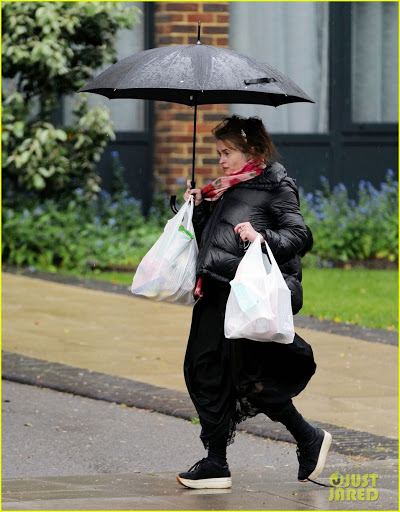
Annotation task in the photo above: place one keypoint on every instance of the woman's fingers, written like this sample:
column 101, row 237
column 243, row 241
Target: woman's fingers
column 242, row 226
column 193, row 192
column 246, row 231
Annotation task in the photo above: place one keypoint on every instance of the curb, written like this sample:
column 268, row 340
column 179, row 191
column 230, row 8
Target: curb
column 100, row 386
column 353, row 331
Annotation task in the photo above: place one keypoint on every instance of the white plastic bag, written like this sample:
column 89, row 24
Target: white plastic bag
column 259, row 304
column 168, row 271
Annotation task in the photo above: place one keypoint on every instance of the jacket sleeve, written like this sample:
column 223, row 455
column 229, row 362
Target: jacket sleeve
column 201, row 214
column 290, row 234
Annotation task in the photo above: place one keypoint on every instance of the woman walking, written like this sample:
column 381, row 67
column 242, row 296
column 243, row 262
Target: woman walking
column 231, row 380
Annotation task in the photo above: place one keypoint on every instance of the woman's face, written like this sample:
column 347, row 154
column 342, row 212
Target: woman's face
column 230, row 158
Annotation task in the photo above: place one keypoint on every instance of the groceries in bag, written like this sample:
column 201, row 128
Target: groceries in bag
column 259, row 304
column 168, row 271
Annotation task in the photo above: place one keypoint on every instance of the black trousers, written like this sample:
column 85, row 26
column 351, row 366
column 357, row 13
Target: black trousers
column 231, row 380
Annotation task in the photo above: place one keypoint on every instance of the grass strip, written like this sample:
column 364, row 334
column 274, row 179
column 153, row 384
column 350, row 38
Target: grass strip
column 355, row 296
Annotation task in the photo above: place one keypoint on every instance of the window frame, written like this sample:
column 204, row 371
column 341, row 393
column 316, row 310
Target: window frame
column 340, row 106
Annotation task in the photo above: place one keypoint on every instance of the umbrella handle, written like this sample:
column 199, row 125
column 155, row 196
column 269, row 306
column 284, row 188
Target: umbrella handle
column 172, row 200
column 172, row 203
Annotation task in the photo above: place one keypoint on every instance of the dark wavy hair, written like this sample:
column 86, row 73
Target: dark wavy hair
column 249, row 135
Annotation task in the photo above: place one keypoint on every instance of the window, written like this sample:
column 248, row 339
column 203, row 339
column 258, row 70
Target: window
column 293, row 37
column 374, row 62
column 127, row 115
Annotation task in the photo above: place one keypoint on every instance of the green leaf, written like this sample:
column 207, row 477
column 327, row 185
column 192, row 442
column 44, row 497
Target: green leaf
column 21, row 160
column 38, row 182
column 46, row 173
column 18, row 128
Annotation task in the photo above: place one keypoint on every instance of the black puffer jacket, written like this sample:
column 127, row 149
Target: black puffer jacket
column 270, row 202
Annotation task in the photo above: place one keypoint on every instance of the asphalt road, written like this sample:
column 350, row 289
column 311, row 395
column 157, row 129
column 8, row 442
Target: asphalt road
column 48, row 433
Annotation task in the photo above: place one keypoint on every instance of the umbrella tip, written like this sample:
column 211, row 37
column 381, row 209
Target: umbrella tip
column 198, row 33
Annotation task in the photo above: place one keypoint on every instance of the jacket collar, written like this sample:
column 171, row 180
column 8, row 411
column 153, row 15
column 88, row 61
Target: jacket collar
column 269, row 179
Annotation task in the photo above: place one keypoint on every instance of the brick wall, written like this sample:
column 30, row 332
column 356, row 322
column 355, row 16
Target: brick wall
column 176, row 23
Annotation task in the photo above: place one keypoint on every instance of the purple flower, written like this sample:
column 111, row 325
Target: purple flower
column 105, row 194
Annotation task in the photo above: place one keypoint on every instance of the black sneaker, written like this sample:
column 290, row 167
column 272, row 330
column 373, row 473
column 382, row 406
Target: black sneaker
column 312, row 456
column 206, row 474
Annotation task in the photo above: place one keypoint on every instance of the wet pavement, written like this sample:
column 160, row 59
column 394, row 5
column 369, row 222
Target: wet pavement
column 66, row 452
column 97, row 341
column 256, row 489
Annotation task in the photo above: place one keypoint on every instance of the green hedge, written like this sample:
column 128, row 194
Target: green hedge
column 81, row 236
column 346, row 229
column 112, row 231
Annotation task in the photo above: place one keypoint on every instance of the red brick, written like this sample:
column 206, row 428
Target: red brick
column 183, row 28
column 179, row 138
column 183, row 116
column 200, row 150
column 170, row 40
column 214, row 30
column 223, row 41
column 163, row 17
column 210, row 161
column 213, row 117
column 203, row 128
column 209, row 139
column 165, row 150
column 203, row 171
column 223, row 18
column 204, row 18
column 181, row 6
column 164, row 105
column 217, row 7
column 181, row 161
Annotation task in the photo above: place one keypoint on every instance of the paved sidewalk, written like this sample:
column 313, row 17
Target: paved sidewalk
column 261, row 489
column 355, row 386
column 117, row 348
column 66, row 452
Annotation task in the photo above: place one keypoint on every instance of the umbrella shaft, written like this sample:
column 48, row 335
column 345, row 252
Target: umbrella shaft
column 193, row 184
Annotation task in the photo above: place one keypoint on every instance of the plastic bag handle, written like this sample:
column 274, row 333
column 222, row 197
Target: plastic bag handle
column 190, row 203
column 269, row 254
column 179, row 217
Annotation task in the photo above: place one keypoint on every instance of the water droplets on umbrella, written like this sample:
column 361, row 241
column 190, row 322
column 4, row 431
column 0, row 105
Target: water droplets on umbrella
column 210, row 75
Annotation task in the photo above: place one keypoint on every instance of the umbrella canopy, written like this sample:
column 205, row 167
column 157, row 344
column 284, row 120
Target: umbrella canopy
column 196, row 75
column 193, row 75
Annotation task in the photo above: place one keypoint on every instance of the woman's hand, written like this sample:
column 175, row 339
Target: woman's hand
column 193, row 191
column 246, row 232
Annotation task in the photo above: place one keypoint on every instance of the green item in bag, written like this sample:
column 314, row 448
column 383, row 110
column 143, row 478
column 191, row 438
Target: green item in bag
column 188, row 233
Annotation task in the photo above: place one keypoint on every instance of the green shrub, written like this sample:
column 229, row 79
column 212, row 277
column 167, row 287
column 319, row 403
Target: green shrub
column 50, row 50
column 81, row 236
column 353, row 229
column 112, row 232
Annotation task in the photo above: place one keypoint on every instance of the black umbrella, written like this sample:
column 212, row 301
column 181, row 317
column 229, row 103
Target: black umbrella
column 195, row 75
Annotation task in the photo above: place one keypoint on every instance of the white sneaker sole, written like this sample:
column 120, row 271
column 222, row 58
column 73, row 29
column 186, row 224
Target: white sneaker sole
column 326, row 444
column 206, row 483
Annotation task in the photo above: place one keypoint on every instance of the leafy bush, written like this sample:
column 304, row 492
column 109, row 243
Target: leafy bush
column 51, row 49
column 112, row 232
column 347, row 229
column 48, row 161
column 81, row 236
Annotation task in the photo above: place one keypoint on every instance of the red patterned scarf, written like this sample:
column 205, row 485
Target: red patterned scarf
column 250, row 170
